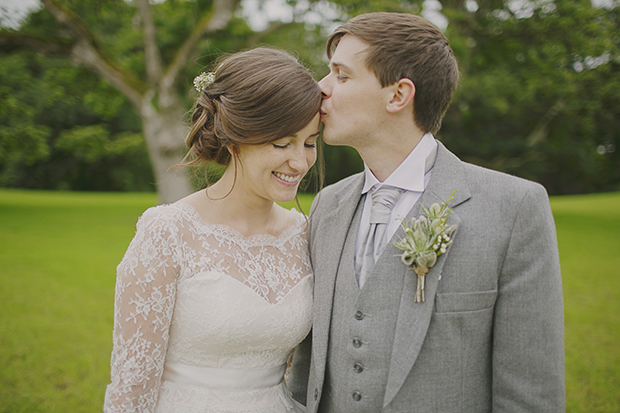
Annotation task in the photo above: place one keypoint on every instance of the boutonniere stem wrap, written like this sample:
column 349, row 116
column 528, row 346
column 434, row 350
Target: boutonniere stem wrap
column 426, row 238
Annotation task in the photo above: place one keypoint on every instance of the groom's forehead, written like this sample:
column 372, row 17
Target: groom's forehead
column 351, row 46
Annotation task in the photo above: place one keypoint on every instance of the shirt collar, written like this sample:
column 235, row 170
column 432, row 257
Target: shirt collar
column 410, row 173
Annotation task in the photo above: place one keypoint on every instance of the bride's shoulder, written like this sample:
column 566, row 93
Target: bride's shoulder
column 293, row 216
column 183, row 208
column 161, row 211
column 164, row 216
column 296, row 220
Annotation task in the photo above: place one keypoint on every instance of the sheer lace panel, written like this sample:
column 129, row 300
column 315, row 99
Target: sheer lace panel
column 271, row 266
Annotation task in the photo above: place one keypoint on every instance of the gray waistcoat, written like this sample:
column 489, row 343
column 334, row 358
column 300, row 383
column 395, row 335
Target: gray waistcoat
column 361, row 336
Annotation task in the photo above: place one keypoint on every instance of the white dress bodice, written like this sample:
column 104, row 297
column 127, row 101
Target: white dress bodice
column 206, row 318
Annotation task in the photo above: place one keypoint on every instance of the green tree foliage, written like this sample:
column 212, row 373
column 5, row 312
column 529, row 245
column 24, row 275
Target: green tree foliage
column 22, row 140
column 63, row 128
column 142, row 50
column 539, row 95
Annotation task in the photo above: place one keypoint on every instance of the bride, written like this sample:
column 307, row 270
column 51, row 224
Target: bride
column 215, row 290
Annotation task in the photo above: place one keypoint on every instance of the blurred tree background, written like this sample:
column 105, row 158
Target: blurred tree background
column 94, row 94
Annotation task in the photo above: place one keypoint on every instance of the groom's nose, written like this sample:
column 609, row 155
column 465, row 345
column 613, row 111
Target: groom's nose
column 324, row 85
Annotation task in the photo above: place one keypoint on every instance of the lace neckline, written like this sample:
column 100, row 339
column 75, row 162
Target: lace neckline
column 193, row 215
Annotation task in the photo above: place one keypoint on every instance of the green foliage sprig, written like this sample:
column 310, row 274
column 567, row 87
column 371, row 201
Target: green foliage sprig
column 426, row 239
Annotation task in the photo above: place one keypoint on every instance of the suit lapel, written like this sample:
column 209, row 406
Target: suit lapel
column 414, row 318
column 337, row 222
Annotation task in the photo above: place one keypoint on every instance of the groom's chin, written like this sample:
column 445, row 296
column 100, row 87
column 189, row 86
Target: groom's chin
column 329, row 138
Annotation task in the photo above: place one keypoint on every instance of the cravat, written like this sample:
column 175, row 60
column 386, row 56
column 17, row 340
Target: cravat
column 373, row 244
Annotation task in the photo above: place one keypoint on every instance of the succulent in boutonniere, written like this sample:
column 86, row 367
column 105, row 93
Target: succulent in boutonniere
column 426, row 238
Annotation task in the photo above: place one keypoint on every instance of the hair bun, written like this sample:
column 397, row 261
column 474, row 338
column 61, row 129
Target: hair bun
column 202, row 138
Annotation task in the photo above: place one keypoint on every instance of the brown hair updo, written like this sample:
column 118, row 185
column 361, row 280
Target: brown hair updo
column 258, row 96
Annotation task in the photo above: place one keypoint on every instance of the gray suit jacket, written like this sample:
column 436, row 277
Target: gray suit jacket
column 490, row 336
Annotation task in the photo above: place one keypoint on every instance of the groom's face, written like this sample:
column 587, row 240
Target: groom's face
column 353, row 99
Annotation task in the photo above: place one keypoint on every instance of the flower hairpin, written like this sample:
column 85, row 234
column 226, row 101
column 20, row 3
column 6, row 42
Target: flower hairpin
column 426, row 239
column 204, row 80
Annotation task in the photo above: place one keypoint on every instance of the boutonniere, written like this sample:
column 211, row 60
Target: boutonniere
column 426, row 238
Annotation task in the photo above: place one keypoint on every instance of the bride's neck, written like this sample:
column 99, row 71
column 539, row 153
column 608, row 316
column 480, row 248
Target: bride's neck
column 230, row 204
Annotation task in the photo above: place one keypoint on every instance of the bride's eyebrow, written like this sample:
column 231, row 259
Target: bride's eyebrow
column 309, row 136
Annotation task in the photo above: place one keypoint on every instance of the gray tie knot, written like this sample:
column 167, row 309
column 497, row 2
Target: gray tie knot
column 383, row 200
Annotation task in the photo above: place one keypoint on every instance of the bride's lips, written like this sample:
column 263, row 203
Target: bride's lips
column 287, row 179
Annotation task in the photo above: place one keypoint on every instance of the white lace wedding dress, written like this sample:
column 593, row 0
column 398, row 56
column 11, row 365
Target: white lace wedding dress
column 206, row 318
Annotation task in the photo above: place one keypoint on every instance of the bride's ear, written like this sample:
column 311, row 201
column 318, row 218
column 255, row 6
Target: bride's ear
column 403, row 93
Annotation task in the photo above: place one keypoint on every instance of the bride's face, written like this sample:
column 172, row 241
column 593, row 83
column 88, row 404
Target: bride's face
column 273, row 171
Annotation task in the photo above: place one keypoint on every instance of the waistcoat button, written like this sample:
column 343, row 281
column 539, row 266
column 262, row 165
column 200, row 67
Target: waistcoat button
column 359, row 315
column 357, row 343
column 358, row 368
column 316, row 393
column 357, row 396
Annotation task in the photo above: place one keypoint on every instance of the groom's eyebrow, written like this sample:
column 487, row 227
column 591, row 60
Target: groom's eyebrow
column 337, row 65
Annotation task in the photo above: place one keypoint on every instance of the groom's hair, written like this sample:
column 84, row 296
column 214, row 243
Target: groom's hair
column 407, row 46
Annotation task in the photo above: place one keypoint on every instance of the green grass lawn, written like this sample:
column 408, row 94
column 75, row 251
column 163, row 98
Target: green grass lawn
column 589, row 239
column 59, row 250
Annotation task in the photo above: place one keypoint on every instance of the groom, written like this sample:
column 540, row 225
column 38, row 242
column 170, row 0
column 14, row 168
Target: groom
column 489, row 335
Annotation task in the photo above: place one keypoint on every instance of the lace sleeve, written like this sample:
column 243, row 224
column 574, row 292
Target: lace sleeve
column 144, row 302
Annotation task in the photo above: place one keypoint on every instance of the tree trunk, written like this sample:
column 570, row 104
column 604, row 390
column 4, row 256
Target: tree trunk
column 164, row 133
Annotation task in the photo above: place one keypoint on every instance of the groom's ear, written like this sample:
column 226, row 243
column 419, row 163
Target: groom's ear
column 403, row 92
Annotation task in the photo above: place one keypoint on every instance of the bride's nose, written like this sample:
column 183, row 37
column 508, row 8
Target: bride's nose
column 299, row 160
